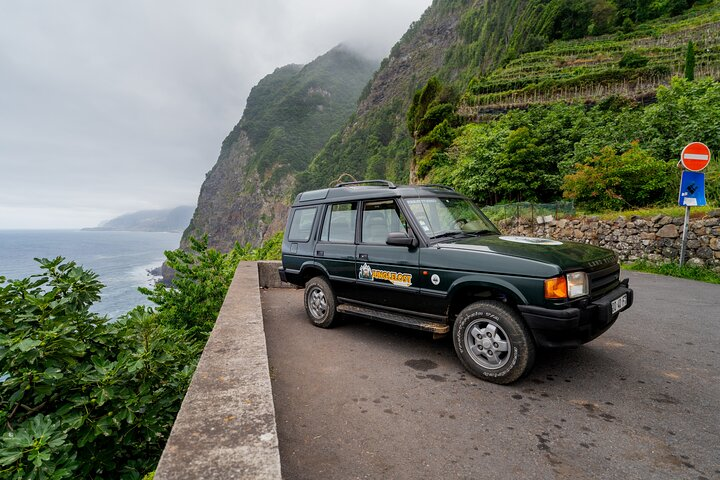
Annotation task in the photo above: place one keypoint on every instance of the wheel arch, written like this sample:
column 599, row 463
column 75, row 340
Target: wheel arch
column 467, row 291
column 311, row 269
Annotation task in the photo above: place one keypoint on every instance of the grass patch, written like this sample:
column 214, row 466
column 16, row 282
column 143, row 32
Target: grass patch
column 691, row 272
column 675, row 211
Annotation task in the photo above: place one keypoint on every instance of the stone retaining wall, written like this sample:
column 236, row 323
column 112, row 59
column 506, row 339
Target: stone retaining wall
column 656, row 239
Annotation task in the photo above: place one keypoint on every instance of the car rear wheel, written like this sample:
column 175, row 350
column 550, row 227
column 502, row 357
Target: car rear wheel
column 492, row 342
column 320, row 302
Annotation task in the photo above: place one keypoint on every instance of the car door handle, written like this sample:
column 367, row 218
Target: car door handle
column 320, row 253
column 363, row 256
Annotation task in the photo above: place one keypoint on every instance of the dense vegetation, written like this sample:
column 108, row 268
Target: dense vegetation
column 536, row 100
column 613, row 155
column 85, row 397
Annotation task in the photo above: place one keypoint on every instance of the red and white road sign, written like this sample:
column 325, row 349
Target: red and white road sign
column 695, row 156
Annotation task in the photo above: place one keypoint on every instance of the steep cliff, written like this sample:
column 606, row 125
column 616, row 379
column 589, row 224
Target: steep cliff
column 288, row 117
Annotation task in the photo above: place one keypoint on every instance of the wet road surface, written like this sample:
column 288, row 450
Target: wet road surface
column 370, row 400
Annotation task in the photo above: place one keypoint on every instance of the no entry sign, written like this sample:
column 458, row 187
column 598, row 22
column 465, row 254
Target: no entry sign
column 695, row 156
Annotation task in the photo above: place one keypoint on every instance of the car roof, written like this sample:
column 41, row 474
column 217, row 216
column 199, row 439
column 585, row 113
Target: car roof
column 373, row 189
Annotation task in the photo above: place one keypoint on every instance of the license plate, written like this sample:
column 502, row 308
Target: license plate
column 618, row 304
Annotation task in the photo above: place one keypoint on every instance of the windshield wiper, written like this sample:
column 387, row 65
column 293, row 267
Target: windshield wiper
column 449, row 233
column 478, row 233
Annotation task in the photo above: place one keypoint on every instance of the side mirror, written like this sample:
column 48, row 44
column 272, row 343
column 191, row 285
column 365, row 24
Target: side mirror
column 400, row 239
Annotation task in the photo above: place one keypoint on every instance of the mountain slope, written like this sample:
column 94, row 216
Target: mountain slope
column 488, row 56
column 288, row 117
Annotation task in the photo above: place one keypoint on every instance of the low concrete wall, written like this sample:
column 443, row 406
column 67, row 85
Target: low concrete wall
column 269, row 276
column 226, row 425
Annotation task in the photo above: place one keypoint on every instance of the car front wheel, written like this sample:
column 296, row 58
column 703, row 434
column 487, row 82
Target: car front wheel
column 492, row 342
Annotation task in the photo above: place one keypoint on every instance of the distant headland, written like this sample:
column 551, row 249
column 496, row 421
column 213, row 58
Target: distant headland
column 169, row 220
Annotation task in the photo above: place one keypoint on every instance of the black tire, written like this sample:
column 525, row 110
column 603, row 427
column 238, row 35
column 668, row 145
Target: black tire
column 492, row 342
column 320, row 302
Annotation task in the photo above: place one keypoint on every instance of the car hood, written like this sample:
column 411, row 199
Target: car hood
column 566, row 255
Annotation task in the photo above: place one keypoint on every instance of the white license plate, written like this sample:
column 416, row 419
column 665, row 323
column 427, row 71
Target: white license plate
column 618, row 304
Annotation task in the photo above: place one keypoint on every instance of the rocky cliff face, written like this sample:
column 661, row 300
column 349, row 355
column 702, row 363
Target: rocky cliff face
column 289, row 116
column 375, row 143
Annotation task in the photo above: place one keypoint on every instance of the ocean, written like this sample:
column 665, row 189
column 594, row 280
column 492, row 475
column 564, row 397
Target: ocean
column 121, row 259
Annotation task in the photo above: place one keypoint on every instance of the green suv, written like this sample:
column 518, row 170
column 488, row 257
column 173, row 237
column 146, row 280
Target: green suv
column 427, row 258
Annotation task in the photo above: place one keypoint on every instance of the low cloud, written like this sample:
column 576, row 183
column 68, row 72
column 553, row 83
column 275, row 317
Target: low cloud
column 109, row 107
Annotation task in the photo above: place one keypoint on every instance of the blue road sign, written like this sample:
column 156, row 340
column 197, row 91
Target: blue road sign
column 692, row 189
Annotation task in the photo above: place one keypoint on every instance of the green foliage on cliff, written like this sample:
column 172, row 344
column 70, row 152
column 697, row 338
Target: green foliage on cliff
column 514, row 54
column 83, row 397
column 292, row 112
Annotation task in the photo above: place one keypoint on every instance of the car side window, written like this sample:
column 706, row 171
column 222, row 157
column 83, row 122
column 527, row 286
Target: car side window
column 379, row 219
column 301, row 225
column 339, row 224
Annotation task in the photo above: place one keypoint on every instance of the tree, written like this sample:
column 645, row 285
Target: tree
column 690, row 61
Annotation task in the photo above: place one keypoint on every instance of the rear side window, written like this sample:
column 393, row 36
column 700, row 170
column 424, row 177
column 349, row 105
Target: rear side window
column 339, row 225
column 301, row 225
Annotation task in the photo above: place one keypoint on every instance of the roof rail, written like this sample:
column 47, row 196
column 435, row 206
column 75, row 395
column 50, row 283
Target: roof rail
column 384, row 183
column 437, row 185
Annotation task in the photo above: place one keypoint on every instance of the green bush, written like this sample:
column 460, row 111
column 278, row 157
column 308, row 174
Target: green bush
column 617, row 182
column 83, row 397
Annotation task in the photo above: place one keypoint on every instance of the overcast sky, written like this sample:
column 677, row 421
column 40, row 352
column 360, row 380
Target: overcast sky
column 107, row 107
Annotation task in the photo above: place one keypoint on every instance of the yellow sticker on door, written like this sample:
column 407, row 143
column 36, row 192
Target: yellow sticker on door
column 396, row 278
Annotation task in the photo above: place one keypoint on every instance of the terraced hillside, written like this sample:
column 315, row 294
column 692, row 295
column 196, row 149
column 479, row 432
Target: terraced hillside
column 593, row 68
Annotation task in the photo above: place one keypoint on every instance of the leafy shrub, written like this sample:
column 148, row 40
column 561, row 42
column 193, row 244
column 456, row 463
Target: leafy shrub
column 617, row 182
column 202, row 277
column 83, row 397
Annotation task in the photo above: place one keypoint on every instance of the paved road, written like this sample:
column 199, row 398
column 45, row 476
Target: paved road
column 369, row 400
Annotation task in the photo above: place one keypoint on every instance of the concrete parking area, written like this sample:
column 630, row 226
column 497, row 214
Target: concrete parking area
column 370, row 400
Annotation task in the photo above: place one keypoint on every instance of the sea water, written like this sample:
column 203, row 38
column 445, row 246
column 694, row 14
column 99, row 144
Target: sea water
column 121, row 259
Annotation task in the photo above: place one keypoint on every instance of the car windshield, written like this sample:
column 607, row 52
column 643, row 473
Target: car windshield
column 448, row 217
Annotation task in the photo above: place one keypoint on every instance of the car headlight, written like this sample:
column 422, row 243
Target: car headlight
column 577, row 283
column 572, row 285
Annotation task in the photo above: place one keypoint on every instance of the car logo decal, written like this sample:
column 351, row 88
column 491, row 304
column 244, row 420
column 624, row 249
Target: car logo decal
column 435, row 279
column 366, row 272
column 400, row 279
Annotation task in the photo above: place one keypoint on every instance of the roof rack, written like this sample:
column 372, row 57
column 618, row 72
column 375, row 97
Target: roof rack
column 384, row 183
column 437, row 185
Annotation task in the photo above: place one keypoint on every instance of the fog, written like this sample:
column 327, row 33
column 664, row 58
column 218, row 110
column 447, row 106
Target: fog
column 111, row 107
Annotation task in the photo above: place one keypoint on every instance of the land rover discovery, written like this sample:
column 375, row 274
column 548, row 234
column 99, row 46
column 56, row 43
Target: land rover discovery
column 426, row 257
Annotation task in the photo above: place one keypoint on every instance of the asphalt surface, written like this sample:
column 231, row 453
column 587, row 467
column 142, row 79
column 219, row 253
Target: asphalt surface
column 370, row 400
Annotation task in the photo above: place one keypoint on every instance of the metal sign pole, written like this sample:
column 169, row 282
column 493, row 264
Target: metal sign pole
column 684, row 236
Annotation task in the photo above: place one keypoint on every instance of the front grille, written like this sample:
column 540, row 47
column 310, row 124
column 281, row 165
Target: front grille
column 602, row 281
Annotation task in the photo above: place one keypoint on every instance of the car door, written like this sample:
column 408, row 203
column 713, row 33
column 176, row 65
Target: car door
column 387, row 275
column 336, row 248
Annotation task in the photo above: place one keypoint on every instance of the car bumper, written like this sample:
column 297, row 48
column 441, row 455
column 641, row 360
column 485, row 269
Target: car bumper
column 571, row 327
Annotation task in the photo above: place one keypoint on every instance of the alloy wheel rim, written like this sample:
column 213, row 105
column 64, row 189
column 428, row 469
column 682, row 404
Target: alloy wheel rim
column 488, row 344
column 317, row 303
